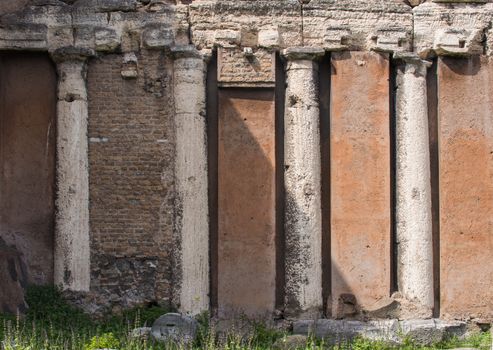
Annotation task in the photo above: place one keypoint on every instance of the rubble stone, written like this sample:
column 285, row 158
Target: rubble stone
column 174, row 328
column 423, row 332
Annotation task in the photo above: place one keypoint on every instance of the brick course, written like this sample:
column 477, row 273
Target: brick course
column 131, row 159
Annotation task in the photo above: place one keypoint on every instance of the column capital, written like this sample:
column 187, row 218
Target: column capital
column 303, row 53
column 414, row 63
column 190, row 51
column 72, row 53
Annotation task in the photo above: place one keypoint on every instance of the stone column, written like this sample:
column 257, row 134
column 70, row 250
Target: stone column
column 302, row 178
column 413, row 189
column 191, row 275
column 72, row 253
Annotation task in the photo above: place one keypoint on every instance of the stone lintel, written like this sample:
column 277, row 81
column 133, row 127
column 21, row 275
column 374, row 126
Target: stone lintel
column 303, row 53
column 23, row 36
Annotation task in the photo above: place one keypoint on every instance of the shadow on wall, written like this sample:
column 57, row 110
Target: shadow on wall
column 246, row 202
column 247, row 245
column 14, row 277
column 465, row 67
column 27, row 159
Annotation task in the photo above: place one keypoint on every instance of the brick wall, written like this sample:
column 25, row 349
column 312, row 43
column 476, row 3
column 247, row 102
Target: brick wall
column 131, row 157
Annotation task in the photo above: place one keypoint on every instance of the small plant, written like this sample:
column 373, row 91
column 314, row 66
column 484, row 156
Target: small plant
column 103, row 341
column 265, row 335
column 478, row 340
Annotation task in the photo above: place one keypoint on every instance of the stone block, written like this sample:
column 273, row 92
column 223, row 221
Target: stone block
column 237, row 67
column 449, row 29
column 360, row 182
column 466, row 187
column 458, row 42
column 422, row 332
column 157, row 36
column 59, row 37
column 337, row 38
column 174, row 328
column 130, row 66
column 106, row 39
column 337, row 331
column 246, row 203
column 130, row 40
column 84, row 36
column 227, row 37
column 269, row 38
column 108, row 5
column 425, row 332
column 391, row 40
column 23, row 36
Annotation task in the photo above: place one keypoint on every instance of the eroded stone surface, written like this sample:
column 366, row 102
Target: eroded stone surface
column 174, row 328
column 466, row 187
column 443, row 27
column 191, row 275
column 360, row 182
column 423, row 332
column 455, row 30
column 302, row 171
column 330, row 24
column 241, row 68
column 413, row 214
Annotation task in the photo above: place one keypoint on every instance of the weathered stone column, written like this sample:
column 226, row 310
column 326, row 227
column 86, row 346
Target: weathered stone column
column 72, row 253
column 302, row 177
column 191, row 290
column 413, row 188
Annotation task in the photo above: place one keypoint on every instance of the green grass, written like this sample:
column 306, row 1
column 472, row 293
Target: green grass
column 52, row 324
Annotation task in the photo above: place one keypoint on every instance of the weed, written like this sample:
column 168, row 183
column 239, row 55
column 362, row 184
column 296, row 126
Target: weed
column 52, row 324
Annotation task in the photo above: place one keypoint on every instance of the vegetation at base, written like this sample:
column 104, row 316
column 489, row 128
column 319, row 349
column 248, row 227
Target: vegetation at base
column 52, row 324
column 103, row 341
